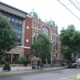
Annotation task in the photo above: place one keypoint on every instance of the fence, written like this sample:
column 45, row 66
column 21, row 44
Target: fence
column 55, row 63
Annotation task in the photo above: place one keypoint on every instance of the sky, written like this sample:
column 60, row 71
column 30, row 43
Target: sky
column 47, row 9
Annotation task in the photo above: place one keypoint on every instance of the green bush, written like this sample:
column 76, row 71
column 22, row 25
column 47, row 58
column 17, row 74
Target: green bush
column 7, row 67
column 22, row 60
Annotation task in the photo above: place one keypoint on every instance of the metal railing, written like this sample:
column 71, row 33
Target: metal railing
column 54, row 63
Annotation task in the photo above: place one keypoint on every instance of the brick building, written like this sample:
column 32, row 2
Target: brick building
column 49, row 28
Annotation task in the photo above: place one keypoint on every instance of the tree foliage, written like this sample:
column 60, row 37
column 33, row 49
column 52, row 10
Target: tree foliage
column 66, row 52
column 8, row 36
column 70, row 41
column 42, row 47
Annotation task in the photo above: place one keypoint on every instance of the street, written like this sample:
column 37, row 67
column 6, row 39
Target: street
column 50, row 75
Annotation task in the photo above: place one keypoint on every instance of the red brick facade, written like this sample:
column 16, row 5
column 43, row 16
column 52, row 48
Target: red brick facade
column 28, row 36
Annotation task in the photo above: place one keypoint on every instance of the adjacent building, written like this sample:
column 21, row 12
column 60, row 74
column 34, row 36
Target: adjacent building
column 17, row 19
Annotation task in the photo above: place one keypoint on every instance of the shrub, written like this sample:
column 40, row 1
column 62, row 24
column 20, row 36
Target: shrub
column 22, row 60
column 7, row 67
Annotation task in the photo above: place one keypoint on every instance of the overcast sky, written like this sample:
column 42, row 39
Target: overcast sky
column 47, row 9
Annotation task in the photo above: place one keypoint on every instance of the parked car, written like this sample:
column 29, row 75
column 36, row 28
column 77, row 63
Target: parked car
column 63, row 63
column 74, row 64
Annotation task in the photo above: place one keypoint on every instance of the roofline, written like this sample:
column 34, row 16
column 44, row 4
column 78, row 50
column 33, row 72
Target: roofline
column 13, row 8
column 11, row 13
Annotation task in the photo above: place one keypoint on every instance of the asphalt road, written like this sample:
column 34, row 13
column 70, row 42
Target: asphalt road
column 50, row 75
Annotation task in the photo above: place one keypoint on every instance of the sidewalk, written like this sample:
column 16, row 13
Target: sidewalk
column 28, row 69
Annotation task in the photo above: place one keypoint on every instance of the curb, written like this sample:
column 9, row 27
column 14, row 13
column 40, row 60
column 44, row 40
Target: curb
column 29, row 72
column 45, row 70
column 12, row 73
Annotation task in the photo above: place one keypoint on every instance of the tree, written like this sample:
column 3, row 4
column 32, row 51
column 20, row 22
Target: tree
column 70, row 41
column 66, row 52
column 42, row 47
column 8, row 36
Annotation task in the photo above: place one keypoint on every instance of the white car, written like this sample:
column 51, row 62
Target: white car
column 74, row 64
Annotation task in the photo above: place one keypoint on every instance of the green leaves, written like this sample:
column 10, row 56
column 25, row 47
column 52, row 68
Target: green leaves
column 8, row 36
column 70, row 40
column 42, row 47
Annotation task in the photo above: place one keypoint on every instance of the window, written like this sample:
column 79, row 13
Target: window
column 34, row 34
column 53, row 31
column 15, row 30
column 13, row 21
column 38, row 26
column 9, row 19
column 19, row 31
column 33, row 24
column 8, row 58
column 56, row 46
column 15, row 57
column 19, row 38
column 17, row 23
column 20, row 24
column 45, row 31
column 53, row 39
column 56, row 55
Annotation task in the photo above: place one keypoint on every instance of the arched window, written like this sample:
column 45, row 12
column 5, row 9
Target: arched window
column 45, row 31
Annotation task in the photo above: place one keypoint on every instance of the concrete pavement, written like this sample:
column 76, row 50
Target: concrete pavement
column 28, row 69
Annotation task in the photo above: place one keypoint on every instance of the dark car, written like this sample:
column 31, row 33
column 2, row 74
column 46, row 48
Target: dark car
column 74, row 64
